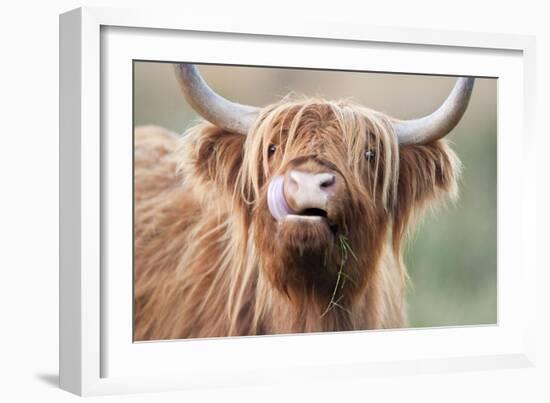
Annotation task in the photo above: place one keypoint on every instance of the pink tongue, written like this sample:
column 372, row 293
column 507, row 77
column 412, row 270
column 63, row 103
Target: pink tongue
column 276, row 201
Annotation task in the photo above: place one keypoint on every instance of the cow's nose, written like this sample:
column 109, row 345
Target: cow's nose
column 305, row 190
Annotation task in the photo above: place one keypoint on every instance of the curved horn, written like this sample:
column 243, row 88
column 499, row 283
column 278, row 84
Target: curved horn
column 230, row 116
column 439, row 123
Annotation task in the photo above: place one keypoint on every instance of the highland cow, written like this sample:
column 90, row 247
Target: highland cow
column 285, row 219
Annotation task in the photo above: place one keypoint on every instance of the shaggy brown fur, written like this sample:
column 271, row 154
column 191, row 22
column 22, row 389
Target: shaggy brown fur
column 210, row 260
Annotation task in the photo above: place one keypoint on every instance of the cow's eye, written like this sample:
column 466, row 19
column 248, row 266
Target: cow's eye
column 271, row 149
column 370, row 154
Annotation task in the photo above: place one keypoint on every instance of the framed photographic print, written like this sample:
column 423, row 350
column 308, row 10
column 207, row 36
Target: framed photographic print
column 239, row 204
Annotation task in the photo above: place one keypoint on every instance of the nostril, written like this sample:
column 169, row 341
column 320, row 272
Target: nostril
column 293, row 183
column 328, row 181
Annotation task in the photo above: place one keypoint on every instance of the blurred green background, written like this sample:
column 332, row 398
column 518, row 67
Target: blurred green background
column 452, row 256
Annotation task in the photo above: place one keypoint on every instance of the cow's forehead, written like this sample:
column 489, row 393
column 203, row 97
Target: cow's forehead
column 306, row 136
column 316, row 113
column 342, row 126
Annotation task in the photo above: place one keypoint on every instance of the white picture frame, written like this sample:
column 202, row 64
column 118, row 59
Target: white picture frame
column 97, row 357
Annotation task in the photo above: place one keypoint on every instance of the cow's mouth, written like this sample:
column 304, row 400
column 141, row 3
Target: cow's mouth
column 313, row 215
column 308, row 214
column 312, row 212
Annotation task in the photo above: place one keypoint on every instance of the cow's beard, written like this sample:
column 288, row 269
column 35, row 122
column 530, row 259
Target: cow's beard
column 302, row 258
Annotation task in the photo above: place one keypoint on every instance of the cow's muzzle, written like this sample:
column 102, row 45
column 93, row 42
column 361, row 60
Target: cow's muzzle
column 301, row 195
